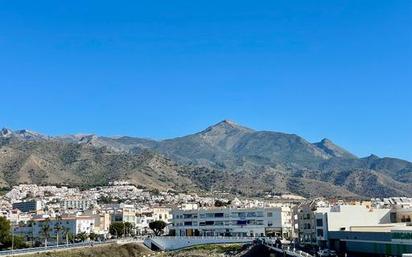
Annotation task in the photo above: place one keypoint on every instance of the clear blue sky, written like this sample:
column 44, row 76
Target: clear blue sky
column 160, row 69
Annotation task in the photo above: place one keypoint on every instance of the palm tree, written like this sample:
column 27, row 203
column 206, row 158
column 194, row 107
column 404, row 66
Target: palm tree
column 31, row 224
column 45, row 229
column 66, row 232
column 58, row 227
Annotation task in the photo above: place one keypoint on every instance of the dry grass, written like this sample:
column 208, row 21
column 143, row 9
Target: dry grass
column 207, row 251
column 127, row 250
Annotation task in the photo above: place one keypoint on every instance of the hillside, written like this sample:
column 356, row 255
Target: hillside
column 126, row 250
column 57, row 162
column 225, row 156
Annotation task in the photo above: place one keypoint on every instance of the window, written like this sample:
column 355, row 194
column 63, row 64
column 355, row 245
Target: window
column 270, row 214
column 219, row 215
column 392, row 217
column 251, row 214
column 209, row 223
column 251, row 222
column 319, row 232
column 188, row 223
column 406, row 218
column 210, row 215
column 319, row 222
column 218, row 223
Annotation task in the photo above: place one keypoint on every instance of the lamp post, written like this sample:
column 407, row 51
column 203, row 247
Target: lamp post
column 12, row 239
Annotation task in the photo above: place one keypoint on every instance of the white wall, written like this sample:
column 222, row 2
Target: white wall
column 174, row 243
column 345, row 216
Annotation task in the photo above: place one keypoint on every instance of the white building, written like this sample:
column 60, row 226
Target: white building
column 316, row 223
column 77, row 204
column 35, row 229
column 227, row 222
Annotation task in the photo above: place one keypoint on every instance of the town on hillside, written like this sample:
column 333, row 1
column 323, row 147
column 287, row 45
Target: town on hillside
column 48, row 216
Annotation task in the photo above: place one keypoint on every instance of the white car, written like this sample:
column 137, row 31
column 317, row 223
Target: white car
column 326, row 253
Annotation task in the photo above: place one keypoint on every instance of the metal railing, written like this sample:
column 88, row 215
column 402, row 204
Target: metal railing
column 57, row 247
column 272, row 244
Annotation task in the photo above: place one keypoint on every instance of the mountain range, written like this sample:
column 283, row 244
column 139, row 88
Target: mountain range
column 226, row 156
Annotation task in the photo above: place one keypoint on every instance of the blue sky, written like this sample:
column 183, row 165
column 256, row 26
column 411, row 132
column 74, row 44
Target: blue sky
column 160, row 69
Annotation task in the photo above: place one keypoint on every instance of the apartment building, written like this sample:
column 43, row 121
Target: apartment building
column 74, row 224
column 28, row 206
column 77, row 204
column 227, row 222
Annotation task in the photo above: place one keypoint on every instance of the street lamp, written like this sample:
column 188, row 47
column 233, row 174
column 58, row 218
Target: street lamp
column 12, row 238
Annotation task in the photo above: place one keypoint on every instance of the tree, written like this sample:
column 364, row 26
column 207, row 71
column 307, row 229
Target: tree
column 157, row 226
column 220, row 203
column 45, row 230
column 116, row 228
column 30, row 224
column 66, row 233
column 128, row 228
column 93, row 236
column 4, row 229
column 7, row 239
column 121, row 229
column 58, row 227
column 82, row 236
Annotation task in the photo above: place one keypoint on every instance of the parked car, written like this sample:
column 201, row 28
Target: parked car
column 326, row 253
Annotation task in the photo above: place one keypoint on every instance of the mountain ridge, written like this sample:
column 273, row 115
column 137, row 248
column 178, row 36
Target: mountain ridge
column 225, row 155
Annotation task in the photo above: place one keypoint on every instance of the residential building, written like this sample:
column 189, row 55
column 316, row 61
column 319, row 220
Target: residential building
column 102, row 223
column 28, row 206
column 77, row 204
column 227, row 222
column 35, row 228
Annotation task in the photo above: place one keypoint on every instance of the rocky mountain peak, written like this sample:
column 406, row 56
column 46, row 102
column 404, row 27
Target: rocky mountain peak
column 372, row 157
column 5, row 132
column 326, row 141
column 226, row 126
column 22, row 134
column 334, row 150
